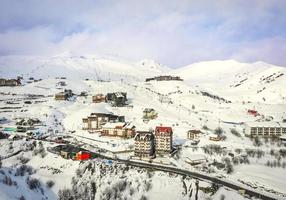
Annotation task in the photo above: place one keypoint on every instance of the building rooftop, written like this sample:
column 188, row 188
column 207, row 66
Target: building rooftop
column 144, row 135
column 164, row 129
column 118, row 125
column 265, row 124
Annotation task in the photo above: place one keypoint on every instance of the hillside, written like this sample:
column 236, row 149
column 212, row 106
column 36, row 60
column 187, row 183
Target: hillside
column 78, row 67
column 258, row 82
column 199, row 102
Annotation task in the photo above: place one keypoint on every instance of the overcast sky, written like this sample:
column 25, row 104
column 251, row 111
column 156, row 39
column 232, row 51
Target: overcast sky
column 175, row 33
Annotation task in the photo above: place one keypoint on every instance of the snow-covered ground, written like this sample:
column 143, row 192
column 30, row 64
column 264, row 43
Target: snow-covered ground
column 211, row 95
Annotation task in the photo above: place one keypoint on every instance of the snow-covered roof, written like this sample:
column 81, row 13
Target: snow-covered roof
column 113, row 125
column 193, row 157
column 118, row 124
column 283, row 137
column 265, row 124
column 213, row 135
column 143, row 135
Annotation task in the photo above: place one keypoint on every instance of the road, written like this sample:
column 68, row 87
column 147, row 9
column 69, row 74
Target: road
column 248, row 191
column 204, row 177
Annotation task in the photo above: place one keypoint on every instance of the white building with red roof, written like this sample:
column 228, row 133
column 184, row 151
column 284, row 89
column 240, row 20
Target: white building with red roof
column 163, row 139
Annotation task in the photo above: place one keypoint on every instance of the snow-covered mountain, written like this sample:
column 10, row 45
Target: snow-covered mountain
column 257, row 81
column 78, row 67
column 210, row 96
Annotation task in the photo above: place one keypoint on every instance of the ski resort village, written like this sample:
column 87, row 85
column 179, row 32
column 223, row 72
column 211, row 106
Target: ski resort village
column 86, row 127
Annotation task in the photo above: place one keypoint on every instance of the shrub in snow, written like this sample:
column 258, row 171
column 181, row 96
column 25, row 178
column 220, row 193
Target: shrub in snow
column 0, row 162
column 228, row 165
column 107, row 194
column 235, row 160
column 23, row 160
column 229, row 168
column 143, row 197
column 7, row 180
column 34, row 143
column 205, row 127
column 23, row 169
column 148, row 186
column 33, row 183
column 11, row 146
column 150, row 174
column 282, row 152
column 238, row 151
column 121, row 185
column 218, row 131
column 78, row 172
column 257, row 142
column 65, row 194
column 50, row 183
column 235, row 132
column 22, row 198
column 131, row 191
column 43, row 153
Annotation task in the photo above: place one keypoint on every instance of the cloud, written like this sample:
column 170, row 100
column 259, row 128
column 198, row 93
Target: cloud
column 174, row 33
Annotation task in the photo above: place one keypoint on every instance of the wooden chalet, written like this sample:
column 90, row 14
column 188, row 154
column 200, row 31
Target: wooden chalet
column 98, row 98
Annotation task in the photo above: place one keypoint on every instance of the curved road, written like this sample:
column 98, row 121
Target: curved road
column 248, row 191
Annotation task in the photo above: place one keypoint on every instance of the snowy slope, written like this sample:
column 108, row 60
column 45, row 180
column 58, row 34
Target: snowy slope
column 78, row 67
column 241, row 81
column 190, row 109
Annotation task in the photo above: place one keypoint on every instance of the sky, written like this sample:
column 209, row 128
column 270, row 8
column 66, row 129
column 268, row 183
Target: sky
column 172, row 32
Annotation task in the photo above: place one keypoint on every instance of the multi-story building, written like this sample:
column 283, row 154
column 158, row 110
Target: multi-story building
column 164, row 78
column 144, row 144
column 119, row 129
column 265, row 129
column 163, row 140
column 10, row 82
column 95, row 121
column 117, row 99
column 194, row 134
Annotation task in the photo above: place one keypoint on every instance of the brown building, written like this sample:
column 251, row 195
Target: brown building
column 119, row 129
column 194, row 134
column 10, row 82
column 163, row 140
column 117, row 99
column 164, row 78
column 215, row 137
column 64, row 95
column 98, row 98
column 96, row 120
column 144, row 144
